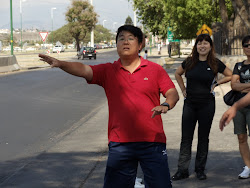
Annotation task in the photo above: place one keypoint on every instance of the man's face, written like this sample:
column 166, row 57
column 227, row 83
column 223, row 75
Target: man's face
column 246, row 48
column 127, row 44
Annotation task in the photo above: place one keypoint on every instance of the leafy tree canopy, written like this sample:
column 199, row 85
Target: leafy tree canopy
column 62, row 34
column 184, row 17
column 129, row 21
column 81, row 18
column 101, row 34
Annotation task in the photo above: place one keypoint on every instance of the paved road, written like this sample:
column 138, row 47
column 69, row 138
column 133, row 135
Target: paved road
column 38, row 108
column 78, row 159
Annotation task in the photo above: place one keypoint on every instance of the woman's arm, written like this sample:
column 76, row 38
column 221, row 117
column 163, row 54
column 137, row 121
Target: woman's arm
column 178, row 76
column 227, row 76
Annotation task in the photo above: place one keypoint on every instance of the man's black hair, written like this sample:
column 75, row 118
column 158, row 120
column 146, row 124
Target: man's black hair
column 246, row 39
column 136, row 31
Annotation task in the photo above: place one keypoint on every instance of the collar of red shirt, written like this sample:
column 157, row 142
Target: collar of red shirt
column 144, row 63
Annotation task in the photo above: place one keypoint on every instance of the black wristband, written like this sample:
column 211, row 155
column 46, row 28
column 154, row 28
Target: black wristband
column 216, row 83
column 166, row 104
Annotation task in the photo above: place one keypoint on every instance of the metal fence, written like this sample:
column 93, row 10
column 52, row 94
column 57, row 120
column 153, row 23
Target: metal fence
column 232, row 43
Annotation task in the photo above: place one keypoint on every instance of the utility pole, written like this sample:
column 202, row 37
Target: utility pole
column 52, row 19
column 135, row 24
column 92, row 32
column 103, row 22
column 21, row 17
column 11, row 28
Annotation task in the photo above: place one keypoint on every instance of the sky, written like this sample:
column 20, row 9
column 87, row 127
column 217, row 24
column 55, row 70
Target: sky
column 37, row 13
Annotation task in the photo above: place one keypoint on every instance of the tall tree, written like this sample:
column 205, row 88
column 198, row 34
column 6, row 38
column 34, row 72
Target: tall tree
column 101, row 34
column 242, row 11
column 62, row 34
column 239, row 19
column 185, row 17
column 81, row 18
column 129, row 21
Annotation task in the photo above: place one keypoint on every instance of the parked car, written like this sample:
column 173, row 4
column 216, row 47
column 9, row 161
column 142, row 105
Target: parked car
column 30, row 49
column 87, row 52
column 17, row 49
column 7, row 49
column 58, row 48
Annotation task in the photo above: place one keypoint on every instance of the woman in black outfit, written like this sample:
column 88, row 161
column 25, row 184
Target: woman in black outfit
column 201, row 69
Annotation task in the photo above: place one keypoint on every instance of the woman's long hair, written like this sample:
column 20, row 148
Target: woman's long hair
column 193, row 59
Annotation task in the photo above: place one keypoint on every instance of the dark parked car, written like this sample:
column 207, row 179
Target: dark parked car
column 87, row 52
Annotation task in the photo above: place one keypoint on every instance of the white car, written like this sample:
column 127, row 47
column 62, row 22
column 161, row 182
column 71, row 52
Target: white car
column 58, row 49
column 7, row 49
column 30, row 49
column 17, row 49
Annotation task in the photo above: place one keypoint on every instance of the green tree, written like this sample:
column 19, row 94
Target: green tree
column 100, row 34
column 129, row 21
column 62, row 34
column 242, row 11
column 239, row 17
column 81, row 18
column 185, row 17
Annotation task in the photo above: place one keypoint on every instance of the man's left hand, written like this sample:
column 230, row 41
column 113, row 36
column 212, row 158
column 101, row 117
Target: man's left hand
column 158, row 110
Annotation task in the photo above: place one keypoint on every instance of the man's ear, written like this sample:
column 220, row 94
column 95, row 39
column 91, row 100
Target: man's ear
column 140, row 47
column 143, row 41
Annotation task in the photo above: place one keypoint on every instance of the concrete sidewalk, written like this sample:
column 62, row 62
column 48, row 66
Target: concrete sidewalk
column 75, row 162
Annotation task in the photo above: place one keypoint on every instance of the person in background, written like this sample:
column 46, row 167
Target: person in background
column 169, row 49
column 145, row 54
column 159, row 48
column 241, row 82
column 201, row 69
column 135, row 130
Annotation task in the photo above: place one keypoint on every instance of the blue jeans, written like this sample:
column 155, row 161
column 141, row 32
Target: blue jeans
column 123, row 161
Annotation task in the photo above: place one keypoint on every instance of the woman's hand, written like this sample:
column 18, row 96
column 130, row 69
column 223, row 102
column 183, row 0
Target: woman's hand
column 184, row 93
column 213, row 86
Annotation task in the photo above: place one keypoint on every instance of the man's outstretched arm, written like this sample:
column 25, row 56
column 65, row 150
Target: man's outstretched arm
column 74, row 68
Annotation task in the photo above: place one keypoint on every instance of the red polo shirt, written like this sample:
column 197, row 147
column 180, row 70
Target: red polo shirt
column 131, row 97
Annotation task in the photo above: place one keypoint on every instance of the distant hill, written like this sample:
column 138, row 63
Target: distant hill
column 26, row 36
column 32, row 25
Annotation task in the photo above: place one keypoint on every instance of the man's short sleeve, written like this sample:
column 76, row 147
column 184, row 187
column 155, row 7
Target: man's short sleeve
column 99, row 72
column 164, row 81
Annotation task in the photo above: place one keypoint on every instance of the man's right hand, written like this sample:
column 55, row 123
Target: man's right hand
column 50, row 60
column 227, row 117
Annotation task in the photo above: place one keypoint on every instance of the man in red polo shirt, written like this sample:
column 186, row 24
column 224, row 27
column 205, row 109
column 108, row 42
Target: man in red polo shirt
column 135, row 131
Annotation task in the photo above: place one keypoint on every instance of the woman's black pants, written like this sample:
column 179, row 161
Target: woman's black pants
column 193, row 112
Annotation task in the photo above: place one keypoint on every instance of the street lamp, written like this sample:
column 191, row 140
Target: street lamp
column 114, row 23
column 21, row 12
column 52, row 17
column 103, row 22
